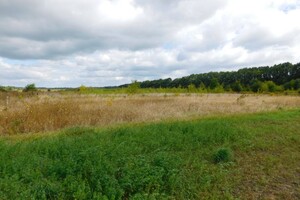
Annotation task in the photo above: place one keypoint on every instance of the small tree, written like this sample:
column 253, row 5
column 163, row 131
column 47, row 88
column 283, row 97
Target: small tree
column 30, row 88
column 133, row 87
column 264, row 87
column 82, row 89
column 271, row 86
column 202, row 87
column 192, row 88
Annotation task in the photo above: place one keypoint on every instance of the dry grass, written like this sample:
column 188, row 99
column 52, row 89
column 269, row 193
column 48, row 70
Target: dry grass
column 47, row 112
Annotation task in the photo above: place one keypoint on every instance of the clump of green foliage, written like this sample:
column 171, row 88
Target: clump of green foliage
column 2, row 89
column 223, row 155
column 133, row 88
column 83, row 89
column 30, row 88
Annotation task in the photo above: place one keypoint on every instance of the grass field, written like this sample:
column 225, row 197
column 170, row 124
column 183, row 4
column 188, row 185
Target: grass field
column 54, row 111
column 245, row 156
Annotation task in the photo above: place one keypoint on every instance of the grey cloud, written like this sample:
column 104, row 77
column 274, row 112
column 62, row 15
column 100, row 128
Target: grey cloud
column 76, row 42
column 181, row 10
column 255, row 38
column 46, row 29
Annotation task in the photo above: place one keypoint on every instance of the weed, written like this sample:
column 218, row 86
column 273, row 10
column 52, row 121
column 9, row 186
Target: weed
column 52, row 112
column 223, row 155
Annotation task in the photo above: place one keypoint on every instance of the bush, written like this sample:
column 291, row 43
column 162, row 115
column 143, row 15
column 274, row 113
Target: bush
column 133, row 87
column 271, row 86
column 2, row 89
column 30, row 88
column 192, row 88
column 222, row 155
column 82, row 89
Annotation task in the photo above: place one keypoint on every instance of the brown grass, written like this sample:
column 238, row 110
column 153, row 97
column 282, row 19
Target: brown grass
column 48, row 112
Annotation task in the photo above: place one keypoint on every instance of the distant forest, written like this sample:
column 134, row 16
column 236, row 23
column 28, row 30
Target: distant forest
column 285, row 76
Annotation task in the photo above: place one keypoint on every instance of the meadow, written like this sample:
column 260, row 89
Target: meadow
column 149, row 146
column 30, row 113
column 252, row 156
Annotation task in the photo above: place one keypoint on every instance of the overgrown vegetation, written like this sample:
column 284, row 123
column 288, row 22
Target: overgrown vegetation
column 25, row 113
column 175, row 160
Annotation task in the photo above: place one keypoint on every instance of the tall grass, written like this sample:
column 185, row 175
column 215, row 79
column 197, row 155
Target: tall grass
column 50, row 112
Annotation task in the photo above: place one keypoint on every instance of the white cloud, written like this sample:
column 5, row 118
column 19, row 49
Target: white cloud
column 111, row 42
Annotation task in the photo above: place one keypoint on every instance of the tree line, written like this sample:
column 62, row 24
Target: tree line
column 285, row 76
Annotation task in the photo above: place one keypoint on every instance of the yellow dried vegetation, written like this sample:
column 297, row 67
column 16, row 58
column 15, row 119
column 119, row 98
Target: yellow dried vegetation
column 48, row 112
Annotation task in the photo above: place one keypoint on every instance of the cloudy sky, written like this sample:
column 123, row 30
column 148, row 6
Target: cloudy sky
column 66, row 43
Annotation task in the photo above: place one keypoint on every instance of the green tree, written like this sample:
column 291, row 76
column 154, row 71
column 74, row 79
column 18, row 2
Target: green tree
column 271, row 86
column 258, row 86
column 192, row 88
column 82, row 89
column 297, row 84
column 219, row 89
column 237, row 86
column 263, row 87
column 202, row 87
column 214, row 83
column 30, row 88
column 133, row 87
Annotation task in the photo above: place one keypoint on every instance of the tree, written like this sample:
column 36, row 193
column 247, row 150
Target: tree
column 245, row 79
column 30, row 88
column 214, row 83
column 263, row 87
column 297, row 84
column 82, row 89
column 237, row 87
column 192, row 88
column 202, row 87
column 256, row 86
column 133, row 87
column 271, row 86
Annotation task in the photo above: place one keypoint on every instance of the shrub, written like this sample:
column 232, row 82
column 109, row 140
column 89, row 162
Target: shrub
column 271, row 86
column 82, row 89
column 133, row 87
column 192, row 88
column 2, row 89
column 30, row 88
column 222, row 155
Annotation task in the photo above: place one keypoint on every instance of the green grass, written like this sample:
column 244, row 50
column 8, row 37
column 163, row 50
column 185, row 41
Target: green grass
column 104, row 91
column 116, row 91
column 259, row 158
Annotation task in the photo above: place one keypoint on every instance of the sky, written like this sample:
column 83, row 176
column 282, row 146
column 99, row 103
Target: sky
column 68, row 43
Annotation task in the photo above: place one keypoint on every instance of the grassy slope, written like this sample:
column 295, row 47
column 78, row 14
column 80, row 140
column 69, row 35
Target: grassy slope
column 168, row 160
